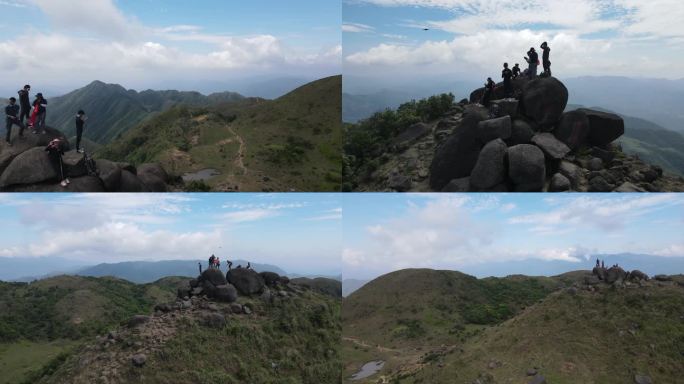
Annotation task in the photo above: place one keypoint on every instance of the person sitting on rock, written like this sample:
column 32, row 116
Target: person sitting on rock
column 516, row 70
column 545, row 59
column 507, row 74
column 55, row 150
column 11, row 113
column 533, row 61
column 488, row 92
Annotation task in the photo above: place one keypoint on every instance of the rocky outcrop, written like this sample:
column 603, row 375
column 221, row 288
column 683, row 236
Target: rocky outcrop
column 247, row 281
column 547, row 149
column 26, row 167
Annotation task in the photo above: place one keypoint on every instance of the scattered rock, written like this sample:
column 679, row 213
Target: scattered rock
column 213, row 320
column 226, row 293
column 628, row 187
column 559, row 183
column 490, row 168
column 411, row 134
column 599, row 184
column 531, row 372
column 595, row 164
column 137, row 320
column 399, row 183
column 642, row 379
column 552, row 147
column 526, row 167
column 139, row 360
column 571, row 171
column 539, row 379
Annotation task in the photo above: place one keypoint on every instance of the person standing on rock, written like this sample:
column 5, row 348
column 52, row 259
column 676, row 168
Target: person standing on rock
column 41, row 104
column 545, row 59
column 11, row 112
column 516, row 70
column 533, row 61
column 25, row 103
column 55, row 150
column 80, row 123
column 488, row 92
column 211, row 261
column 507, row 74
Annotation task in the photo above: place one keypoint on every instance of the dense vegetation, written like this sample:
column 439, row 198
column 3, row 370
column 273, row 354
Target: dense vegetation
column 370, row 138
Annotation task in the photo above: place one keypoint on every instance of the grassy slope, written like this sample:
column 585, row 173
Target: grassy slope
column 39, row 321
column 579, row 339
column 188, row 139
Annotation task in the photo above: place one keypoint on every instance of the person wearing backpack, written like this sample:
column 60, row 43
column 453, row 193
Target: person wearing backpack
column 80, row 123
column 516, row 70
column 533, row 61
column 55, row 150
column 25, row 103
column 11, row 112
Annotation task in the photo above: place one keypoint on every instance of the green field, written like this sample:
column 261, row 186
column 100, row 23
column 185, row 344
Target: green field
column 18, row 360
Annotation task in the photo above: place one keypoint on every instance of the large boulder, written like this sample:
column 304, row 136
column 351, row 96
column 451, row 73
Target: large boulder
column 614, row 274
column 573, row 129
column 543, row 100
column 247, row 281
column 518, row 84
column 637, row 275
column 458, row 185
column 571, row 171
column 270, row 278
column 110, row 173
column 153, row 176
column 131, row 183
column 78, row 184
column 490, row 169
column 457, row 156
column 411, row 134
column 553, row 148
column 74, row 164
column 214, row 276
column 599, row 272
column 226, row 293
column 505, row 107
column 604, row 127
column 521, row 133
column 30, row 167
column 526, row 167
column 499, row 128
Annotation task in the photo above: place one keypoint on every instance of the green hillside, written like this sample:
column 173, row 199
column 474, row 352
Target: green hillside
column 42, row 320
column 291, row 143
column 113, row 110
column 446, row 327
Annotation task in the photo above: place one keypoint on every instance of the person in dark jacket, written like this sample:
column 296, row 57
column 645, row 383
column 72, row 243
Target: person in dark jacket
column 55, row 150
column 25, row 103
column 507, row 74
column 489, row 91
column 11, row 112
column 516, row 70
column 41, row 104
column 545, row 59
column 80, row 123
column 533, row 61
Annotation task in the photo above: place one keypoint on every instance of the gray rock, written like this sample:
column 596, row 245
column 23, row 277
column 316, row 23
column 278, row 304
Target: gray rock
column 131, row 183
column 247, row 281
column 559, row 183
column 552, row 147
column 270, row 278
column 499, row 128
column 539, row 379
column 226, row 293
column 458, row 185
column 595, row 164
column 137, row 320
column 213, row 320
column 531, row 372
column 606, row 155
column 74, row 164
column 526, row 167
column 153, row 176
column 599, row 184
column 571, row 171
column 236, row 308
column 110, row 173
column 614, row 274
column 214, row 276
column 573, row 129
column 399, row 182
column 603, row 127
column 506, row 107
column 628, row 187
column 572, row 291
column 139, row 360
column 30, row 167
column 642, row 379
column 411, row 134
column 662, row 278
column 592, row 280
column 521, row 133
column 544, row 100
column 490, row 169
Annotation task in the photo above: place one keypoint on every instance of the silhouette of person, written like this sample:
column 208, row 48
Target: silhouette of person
column 533, row 61
column 200, row 267
column 598, row 264
column 489, row 91
column 603, row 265
column 545, row 59
column 507, row 74
column 516, row 70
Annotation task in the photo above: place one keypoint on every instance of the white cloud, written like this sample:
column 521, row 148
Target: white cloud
column 331, row 214
column 674, row 250
column 352, row 257
column 249, row 215
column 356, row 27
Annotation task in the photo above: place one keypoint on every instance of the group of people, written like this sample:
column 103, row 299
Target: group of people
column 509, row 74
column 601, row 264
column 35, row 114
column 215, row 263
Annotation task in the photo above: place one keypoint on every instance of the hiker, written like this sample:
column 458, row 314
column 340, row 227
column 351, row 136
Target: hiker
column 25, row 103
column 55, row 150
column 80, row 122
column 603, row 265
column 11, row 112
column 40, row 111
column 199, row 264
column 545, row 59
column 533, row 61
column 516, row 70
column 211, row 261
column 598, row 263
column 218, row 263
column 489, row 90
column 507, row 74
column 230, row 265
column 249, row 265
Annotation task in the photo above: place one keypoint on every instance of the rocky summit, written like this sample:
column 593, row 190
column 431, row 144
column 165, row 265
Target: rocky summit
column 526, row 143
column 26, row 167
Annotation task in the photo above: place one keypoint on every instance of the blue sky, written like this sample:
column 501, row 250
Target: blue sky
column 386, row 232
column 472, row 38
column 300, row 233
column 64, row 44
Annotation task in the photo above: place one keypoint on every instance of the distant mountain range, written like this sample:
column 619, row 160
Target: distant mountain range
column 113, row 110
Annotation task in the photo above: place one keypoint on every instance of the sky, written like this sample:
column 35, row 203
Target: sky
column 480, row 232
column 66, row 44
column 300, row 233
column 473, row 38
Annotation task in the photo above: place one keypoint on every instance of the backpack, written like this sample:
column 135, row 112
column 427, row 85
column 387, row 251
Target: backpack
column 90, row 165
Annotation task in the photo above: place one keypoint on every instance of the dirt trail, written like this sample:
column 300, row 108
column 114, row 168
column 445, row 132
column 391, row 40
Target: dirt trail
column 241, row 151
